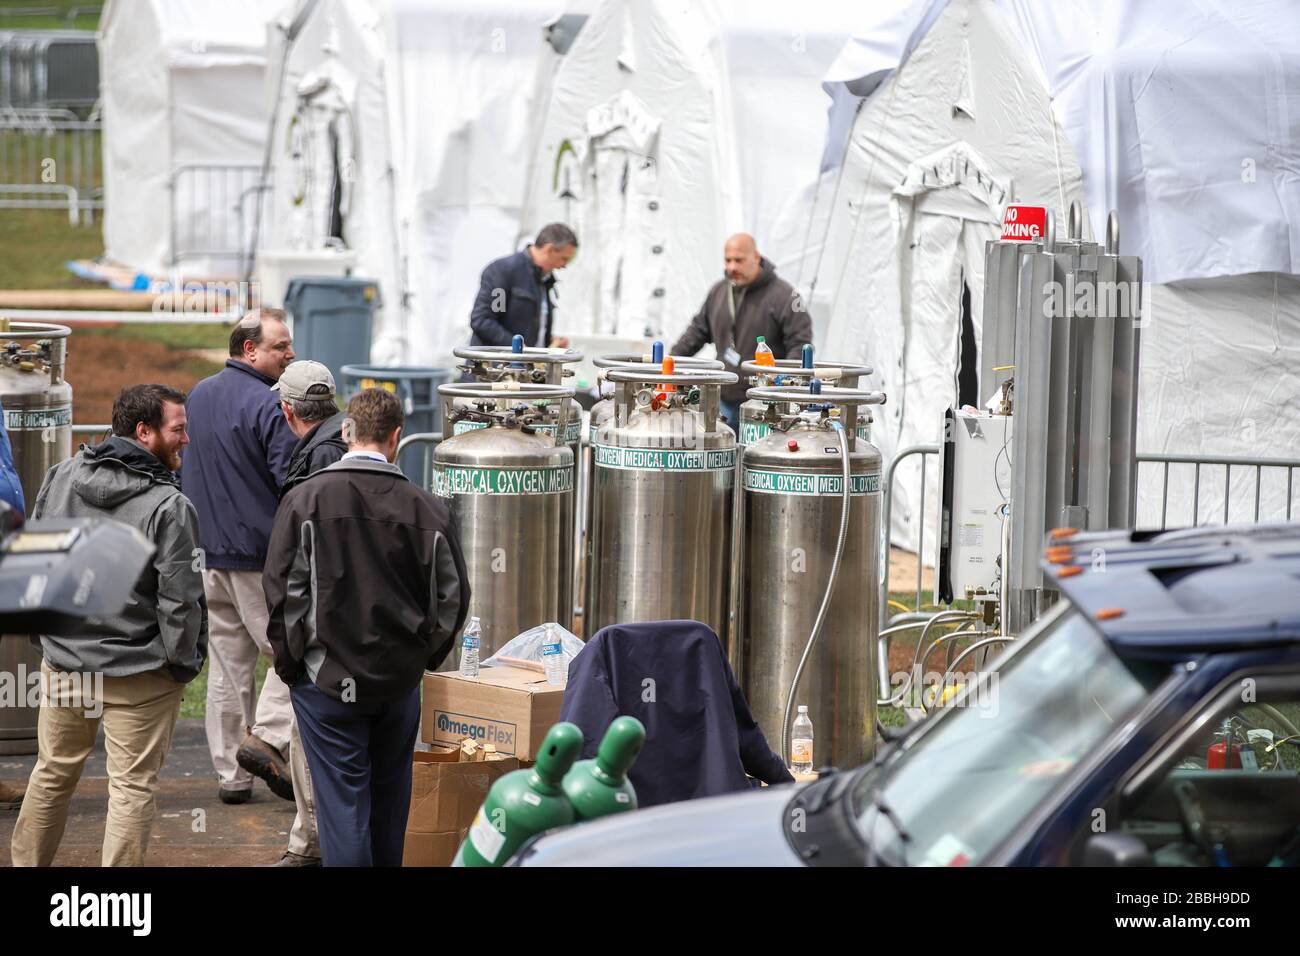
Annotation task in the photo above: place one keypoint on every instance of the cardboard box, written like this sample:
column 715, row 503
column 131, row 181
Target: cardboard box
column 511, row 708
column 431, row 849
column 445, row 795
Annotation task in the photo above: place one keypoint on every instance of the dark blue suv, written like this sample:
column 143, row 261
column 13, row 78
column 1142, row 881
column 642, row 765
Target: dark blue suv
column 1152, row 717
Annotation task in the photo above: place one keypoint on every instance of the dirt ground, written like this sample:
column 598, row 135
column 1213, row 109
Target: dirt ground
column 101, row 364
column 192, row 827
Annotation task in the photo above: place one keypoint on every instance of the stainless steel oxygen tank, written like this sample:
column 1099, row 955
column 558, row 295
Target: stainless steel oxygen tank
column 753, row 414
column 663, row 477
column 538, row 366
column 38, row 416
column 600, row 413
column 793, row 504
column 510, row 488
column 755, row 425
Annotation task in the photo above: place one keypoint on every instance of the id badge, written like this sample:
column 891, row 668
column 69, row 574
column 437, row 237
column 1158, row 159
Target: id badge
column 731, row 356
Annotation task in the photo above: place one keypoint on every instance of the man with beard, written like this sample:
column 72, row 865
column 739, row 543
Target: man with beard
column 147, row 653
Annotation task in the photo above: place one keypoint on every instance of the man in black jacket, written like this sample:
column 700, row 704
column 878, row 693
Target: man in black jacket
column 515, row 292
column 366, row 588
column 750, row 301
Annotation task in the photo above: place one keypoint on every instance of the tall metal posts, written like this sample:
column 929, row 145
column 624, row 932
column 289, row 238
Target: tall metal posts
column 1075, row 401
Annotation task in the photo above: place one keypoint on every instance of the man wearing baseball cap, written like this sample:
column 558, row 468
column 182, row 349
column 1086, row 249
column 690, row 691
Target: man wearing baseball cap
column 307, row 399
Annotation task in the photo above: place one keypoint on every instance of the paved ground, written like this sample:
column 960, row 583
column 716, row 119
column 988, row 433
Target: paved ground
column 192, row 828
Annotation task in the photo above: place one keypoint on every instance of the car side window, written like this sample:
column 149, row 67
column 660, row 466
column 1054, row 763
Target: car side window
column 1226, row 791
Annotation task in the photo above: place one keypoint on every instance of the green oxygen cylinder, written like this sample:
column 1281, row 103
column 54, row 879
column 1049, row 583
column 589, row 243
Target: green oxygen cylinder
column 599, row 787
column 524, row 802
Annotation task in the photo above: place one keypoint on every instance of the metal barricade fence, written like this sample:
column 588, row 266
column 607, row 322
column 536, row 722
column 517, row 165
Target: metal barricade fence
column 48, row 68
column 1250, row 474
column 429, row 439
column 208, row 219
column 49, row 159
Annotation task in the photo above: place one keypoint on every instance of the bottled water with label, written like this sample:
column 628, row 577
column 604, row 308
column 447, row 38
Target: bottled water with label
column 553, row 658
column 469, row 642
column 801, row 742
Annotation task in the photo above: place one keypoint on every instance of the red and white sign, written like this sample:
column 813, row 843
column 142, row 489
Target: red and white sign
column 1023, row 223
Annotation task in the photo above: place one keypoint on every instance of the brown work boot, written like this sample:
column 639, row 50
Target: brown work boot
column 11, row 798
column 262, row 760
column 296, row 859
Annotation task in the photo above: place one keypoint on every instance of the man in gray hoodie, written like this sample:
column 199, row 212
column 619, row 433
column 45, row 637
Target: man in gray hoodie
column 134, row 664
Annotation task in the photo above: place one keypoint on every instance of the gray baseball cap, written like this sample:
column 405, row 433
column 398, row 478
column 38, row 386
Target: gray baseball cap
column 305, row 381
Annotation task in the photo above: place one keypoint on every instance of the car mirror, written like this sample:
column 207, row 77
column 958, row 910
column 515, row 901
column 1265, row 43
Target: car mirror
column 1116, row 849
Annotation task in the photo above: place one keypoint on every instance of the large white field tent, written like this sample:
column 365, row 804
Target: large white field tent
column 183, row 86
column 667, row 126
column 402, row 134
column 1180, row 116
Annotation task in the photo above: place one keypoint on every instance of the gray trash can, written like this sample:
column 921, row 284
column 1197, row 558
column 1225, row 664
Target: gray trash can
column 332, row 319
column 417, row 389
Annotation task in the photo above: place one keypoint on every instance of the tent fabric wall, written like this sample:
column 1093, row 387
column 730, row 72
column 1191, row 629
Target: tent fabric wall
column 181, row 83
column 895, row 261
column 641, row 97
column 1152, row 107
column 440, row 101
column 336, row 74
column 1220, row 375
column 768, row 57
column 1181, row 115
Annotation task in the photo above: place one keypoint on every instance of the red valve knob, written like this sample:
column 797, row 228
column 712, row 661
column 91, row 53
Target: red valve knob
column 792, row 445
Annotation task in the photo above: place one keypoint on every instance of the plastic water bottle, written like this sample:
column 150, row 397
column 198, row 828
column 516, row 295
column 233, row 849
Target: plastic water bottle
column 801, row 742
column 763, row 354
column 469, row 643
column 553, row 657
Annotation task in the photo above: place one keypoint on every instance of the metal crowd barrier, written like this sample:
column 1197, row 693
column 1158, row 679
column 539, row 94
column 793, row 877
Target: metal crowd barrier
column 49, row 159
column 430, row 439
column 207, row 210
column 1204, row 468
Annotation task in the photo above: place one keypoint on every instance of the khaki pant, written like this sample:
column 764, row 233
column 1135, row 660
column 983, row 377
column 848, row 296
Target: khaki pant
column 236, row 638
column 138, row 715
column 303, row 839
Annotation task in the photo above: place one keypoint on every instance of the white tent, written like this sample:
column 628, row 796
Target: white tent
column 970, row 104
column 182, row 85
column 635, row 155
column 710, row 111
column 402, row 134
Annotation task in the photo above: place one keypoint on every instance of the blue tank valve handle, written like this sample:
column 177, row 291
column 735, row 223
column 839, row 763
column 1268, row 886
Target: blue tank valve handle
column 657, row 353
column 807, row 356
column 815, row 386
column 517, row 344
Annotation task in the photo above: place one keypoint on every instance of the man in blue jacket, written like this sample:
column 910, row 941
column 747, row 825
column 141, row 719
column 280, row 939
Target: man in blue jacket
column 515, row 292
column 240, row 446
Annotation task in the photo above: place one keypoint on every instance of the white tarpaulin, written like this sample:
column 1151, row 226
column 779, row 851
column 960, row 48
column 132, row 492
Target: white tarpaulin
column 935, row 153
column 183, row 87
column 1177, row 115
column 413, row 119
column 731, row 89
column 636, row 153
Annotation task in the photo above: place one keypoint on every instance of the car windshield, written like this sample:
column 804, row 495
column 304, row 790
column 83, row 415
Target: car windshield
column 959, row 788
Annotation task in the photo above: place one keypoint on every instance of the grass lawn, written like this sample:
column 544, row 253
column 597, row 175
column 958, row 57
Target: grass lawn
column 183, row 337
column 194, row 703
column 36, row 244
column 10, row 19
